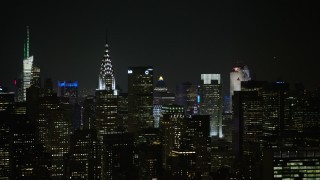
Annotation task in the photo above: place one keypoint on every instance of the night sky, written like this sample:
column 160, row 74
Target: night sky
column 180, row 39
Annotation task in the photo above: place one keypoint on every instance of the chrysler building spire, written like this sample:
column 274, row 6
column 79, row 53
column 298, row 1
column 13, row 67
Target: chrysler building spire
column 106, row 78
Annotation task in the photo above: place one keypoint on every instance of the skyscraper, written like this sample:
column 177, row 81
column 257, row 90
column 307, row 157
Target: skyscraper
column 140, row 97
column 68, row 89
column 186, row 96
column 27, row 69
column 211, row 101
column 161, row 96
column 106, row 98
column 106, row 78
column 238, row 74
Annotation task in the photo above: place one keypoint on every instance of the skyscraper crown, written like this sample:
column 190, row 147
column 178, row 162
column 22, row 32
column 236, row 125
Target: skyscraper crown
column 106, row 78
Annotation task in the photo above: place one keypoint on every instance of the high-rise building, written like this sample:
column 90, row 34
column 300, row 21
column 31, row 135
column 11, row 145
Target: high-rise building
column 59, row 138
column 273, row 101
column 211, row 101
column 4, row 145
column 48, row 87
column 106, row 77
column 118, row 156
column 36, row 80
column 68, row 89
column 248, row 131
column 123, row 111
column 182, row 164
column 292, row 163
column 27, row 69
column 140, row 97
column 172, row 126
column 6, row 100
column 237, row 75
column 27, row 158
column 161, row 96
column 106, row 101
column 84, row 161
column 198, row 139
column 187, row 96
column 106, row 110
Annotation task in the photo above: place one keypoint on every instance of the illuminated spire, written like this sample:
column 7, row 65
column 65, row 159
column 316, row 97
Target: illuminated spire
column 26, row 45
column 106, row 78
column 161, row 85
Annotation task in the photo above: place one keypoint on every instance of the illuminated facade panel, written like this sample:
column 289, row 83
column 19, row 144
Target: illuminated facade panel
column 211, row 101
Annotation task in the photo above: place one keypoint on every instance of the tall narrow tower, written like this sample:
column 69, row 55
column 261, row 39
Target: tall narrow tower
column 211, row 101
column 106, row 78
column 106, row 99
column 27, row 68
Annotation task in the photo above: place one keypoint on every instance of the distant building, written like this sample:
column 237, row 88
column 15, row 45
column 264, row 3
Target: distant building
column 68, row 89
column 140, row 97
column 211, row 102
column 6, row 100
column 59, row 133
column 106, row 98
column 248, row 131
column 182, row 164
column 118, row 151
column 84, row 161
column 198, row 139
column 161, row 96
column 237, row 75
column 291, row 163
column 27, row 69
column 187, row 96
column 172, row 127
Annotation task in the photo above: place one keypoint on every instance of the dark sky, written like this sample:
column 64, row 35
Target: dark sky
column 181, row 39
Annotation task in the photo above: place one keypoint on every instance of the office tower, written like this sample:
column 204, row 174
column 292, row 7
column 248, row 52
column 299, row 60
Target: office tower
column 186, row 96
column 106, row 112
column 27, row 158
column 84, row 161
column 171, row 128
column 248, row 131
column 221, row 157
column 211, row 101
column 4, row 145
column 48, row 87
column 88, row 113
column 150, row 160
column 275, row 107
column 161, row 96
column 181, row 164
column 106, row 98
column 226, row 104
column 237, row 75
column 27, row 68
column 291, row 163
column 68, row 89
column 118, row 156
column 140, row 97
column 33, row 103
column 6, row 100
column 48, row 103
column 123, row 111
column 198, row 137
column 59, row 124
column 227, row 126
column 36, row 81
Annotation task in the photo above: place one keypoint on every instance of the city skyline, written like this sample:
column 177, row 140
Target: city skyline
column 279, row 37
